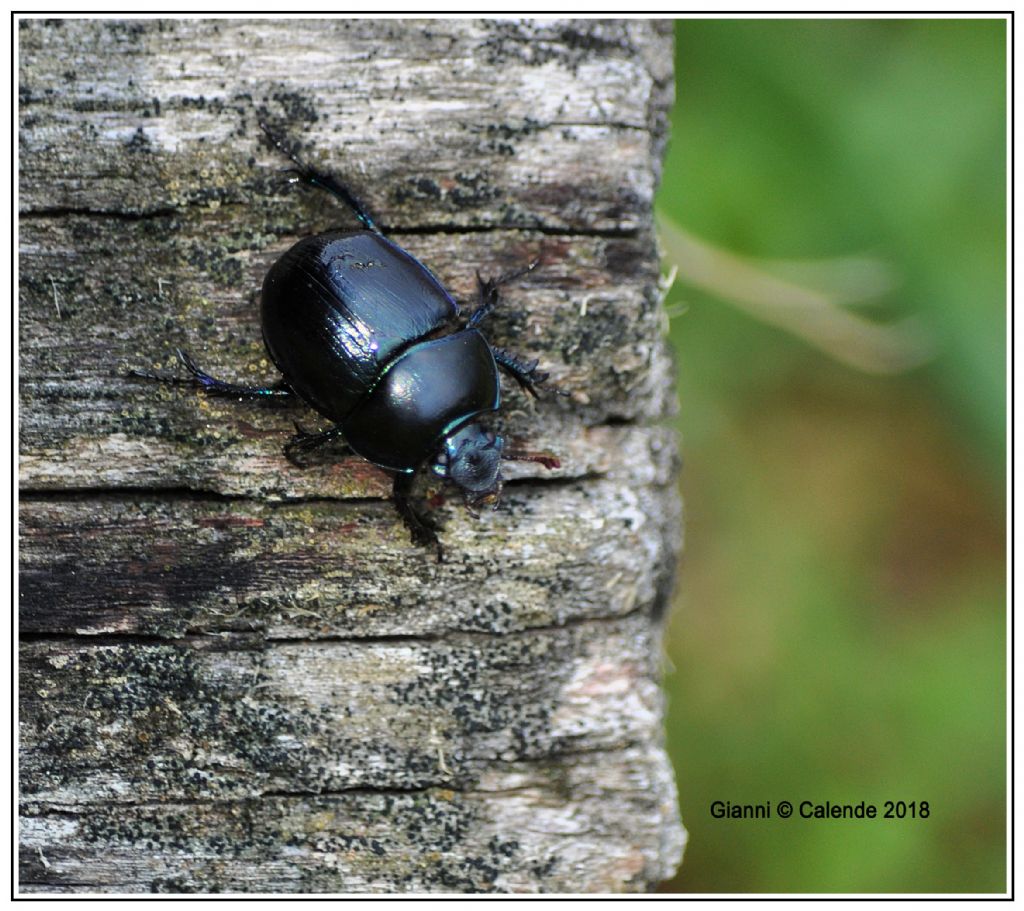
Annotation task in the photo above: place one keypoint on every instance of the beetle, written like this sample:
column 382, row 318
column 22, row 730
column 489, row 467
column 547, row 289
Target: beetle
column 364, row 334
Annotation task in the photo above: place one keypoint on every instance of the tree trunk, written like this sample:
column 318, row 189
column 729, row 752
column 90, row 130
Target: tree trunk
column 241, row 675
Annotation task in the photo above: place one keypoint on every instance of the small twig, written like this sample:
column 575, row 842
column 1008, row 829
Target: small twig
column 817, row 316
column 56, row 298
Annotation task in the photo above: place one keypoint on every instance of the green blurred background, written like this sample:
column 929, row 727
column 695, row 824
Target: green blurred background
column 839, row 631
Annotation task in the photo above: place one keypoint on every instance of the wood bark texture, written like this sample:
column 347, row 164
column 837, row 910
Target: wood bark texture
column 239, row 675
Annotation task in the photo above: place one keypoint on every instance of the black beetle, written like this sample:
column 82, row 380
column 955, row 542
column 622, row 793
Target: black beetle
column 366, row 336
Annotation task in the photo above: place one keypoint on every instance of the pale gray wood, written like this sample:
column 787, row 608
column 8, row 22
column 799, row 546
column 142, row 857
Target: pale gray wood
column 241, row 675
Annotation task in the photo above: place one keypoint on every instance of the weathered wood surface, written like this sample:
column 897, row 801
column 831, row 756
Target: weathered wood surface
column 240, row 675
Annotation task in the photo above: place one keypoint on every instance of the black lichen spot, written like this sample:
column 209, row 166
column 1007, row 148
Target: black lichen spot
column 139, row 142
column 212, row 260
column 417, row 188
column 538, row 43
column 296, row 106
column 472, row 190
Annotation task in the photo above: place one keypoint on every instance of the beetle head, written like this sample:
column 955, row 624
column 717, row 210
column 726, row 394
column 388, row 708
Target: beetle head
column 471, row 459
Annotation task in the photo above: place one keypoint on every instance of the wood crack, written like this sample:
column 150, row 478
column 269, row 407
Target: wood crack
column 423, row 230
column 229, row 640
column 469, row 787
column 201, row 494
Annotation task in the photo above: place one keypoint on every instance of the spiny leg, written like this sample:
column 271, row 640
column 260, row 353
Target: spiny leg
column 209, row 384
column 525, row 373
column 488, row 290
column 304, row 442
column 420, row 525
column 321, row 179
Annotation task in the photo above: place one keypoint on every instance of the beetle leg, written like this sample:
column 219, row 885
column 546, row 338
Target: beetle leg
column 304, row 442
column 547, row 459
column 210, row 384
column 525, row 373
column 420, row 525
column 321, row 179
column 488, row 290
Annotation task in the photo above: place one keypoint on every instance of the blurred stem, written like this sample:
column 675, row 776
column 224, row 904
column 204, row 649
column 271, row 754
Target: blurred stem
column 816, row 316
